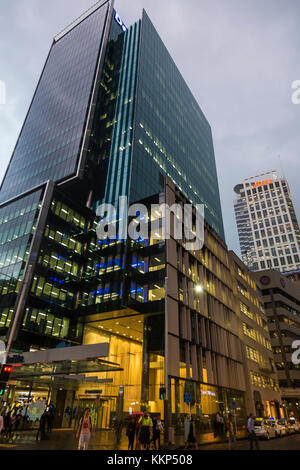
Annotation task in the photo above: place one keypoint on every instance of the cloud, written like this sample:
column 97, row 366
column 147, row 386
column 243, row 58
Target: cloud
column 239, row 59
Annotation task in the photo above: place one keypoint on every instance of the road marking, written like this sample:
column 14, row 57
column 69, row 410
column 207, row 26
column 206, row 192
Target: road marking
column 7, row 445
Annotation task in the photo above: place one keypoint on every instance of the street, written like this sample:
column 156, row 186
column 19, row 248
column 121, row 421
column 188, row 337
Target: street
column 284, row 443
column 104, row 440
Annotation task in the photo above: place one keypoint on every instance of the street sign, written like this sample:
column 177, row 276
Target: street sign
column 187, row 398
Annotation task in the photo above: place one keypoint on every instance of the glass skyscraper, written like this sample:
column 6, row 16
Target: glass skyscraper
column 50, row 142
column 51, row 174
column 111, row 116
column 160, row 129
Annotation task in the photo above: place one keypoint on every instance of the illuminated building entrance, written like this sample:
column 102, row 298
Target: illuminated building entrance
column 131, row 337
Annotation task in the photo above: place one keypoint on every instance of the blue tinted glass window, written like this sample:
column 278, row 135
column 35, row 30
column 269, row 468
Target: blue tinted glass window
column 172, row 135
column 50, row 141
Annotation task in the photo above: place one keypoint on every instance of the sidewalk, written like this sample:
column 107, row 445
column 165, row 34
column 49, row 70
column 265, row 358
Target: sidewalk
column 104, row 440
column 63, row 440
column 101, row 440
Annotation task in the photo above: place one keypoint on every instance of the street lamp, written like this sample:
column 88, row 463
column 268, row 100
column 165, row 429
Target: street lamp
column 199, row 288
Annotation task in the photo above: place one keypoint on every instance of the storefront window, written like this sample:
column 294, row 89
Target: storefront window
column 205, row 401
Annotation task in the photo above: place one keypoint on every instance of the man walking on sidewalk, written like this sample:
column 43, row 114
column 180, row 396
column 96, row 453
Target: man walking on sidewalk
column 251, row 432
column 230, row 433
column 42, row 427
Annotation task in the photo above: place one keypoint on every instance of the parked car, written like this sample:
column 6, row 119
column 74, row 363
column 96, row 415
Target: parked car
column 285, row 430
column 263, row 430
column 293, row 425
column 278, row 428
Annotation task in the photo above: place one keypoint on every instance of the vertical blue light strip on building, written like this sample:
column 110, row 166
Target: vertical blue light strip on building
column 119, row 171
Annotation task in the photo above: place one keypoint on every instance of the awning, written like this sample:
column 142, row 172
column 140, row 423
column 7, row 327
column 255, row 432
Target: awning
column 64, row 366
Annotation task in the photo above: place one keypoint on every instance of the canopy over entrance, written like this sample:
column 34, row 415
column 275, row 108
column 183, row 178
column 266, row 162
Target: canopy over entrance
column 65, row 366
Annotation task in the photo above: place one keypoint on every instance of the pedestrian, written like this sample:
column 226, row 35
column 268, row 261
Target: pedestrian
column 187, row 424
column 84, row 430
column 191, row 440
column 42, row 427
column 8, row 426
column 130, row 432
column 145, row 431
column 230, row 433
column 215, row 425
column 157, row 429
column 251, row 432
column 219, row 424
column 6, row 421
column 13, row 419
column 49, row 421
column 17, row 423
column 51, row 414
column 137, row 435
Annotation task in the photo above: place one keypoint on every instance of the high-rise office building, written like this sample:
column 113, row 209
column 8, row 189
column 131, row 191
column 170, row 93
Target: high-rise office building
column 267, row 224
column 281, row 298
column 262, row 391
column 101, row 124
column 112, row 116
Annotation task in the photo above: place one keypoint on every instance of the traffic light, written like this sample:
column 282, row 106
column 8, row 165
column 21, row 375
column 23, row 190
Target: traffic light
column 5, row 373
column 162, row 393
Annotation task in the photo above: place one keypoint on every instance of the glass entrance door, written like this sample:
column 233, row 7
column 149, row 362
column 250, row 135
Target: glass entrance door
column 104, row 414
column 100, row 411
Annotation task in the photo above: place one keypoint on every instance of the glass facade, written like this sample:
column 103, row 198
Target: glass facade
column 50, row 141
column 172, row 135
column 58, row 288
column 144, row 126
column 17, row 226
column 59, row 257
column 53, row 297
column 159, row 129
column 102, row 123
column 207, row 401
column 120, row 162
